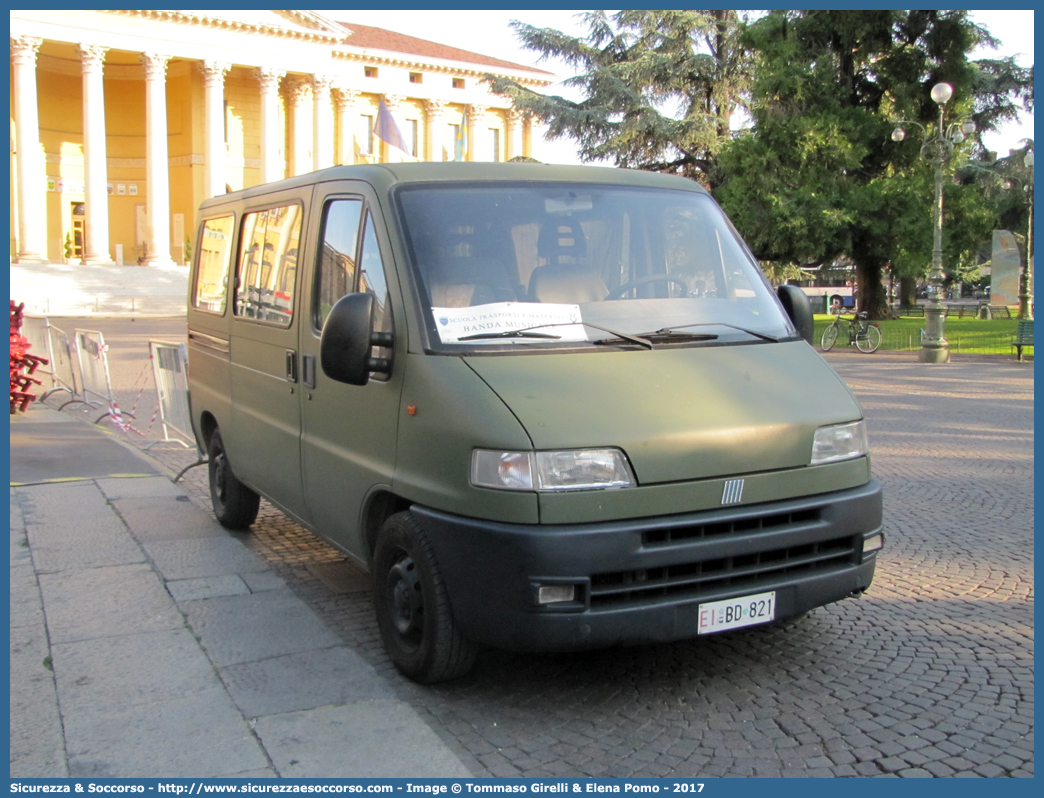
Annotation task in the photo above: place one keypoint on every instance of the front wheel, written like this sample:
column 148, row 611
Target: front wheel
column 413, row 609
column 829, row 337
column 869, row 340
column 235, row 505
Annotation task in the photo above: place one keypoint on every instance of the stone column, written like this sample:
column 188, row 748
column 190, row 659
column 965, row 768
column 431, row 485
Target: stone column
column 32, row 188
column 157, row 167
column 478, row 134
column 514, row 133
column 272, row 165
column 96, row 192
column 322, row 123
column 347, row 119
column 215, row 151
column 435, row 127
column 298, row 91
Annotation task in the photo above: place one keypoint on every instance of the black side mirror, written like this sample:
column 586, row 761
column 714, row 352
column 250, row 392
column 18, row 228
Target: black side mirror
column 797, row 306
column 344, row 348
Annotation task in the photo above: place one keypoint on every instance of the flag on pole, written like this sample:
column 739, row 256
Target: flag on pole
column 387, row 131
column 460, row 147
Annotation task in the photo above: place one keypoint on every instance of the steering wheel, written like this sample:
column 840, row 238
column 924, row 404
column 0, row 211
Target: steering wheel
column 617, row 293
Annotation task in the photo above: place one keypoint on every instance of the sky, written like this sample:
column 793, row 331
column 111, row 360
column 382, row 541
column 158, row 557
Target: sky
column 488, row 32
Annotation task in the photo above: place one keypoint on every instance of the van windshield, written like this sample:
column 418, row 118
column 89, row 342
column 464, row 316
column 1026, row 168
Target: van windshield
column 548, row 265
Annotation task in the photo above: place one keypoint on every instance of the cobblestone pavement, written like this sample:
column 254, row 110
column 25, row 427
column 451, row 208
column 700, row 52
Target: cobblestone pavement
column 929, row 674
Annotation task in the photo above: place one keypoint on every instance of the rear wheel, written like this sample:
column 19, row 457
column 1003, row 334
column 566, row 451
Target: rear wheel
column 829, row 337
column 235, row 505
column 870, row 340
column 413, row 609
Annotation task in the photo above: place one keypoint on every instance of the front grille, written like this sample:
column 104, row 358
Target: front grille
column 695, row 578
column 775, row 521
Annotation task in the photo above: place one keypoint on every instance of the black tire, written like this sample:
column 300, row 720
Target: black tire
column 870, row 340
column 829, row 337
column 413, row 609
column 235, row 505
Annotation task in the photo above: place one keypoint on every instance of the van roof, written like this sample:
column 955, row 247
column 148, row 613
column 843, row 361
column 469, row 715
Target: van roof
column 384, row 176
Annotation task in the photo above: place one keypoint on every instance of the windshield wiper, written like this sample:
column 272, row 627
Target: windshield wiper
column 634, row 339
column 527, row 332
column 669, row 330
column 674, row 335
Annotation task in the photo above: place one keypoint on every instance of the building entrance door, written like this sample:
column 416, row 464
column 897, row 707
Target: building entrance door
column 77, row 230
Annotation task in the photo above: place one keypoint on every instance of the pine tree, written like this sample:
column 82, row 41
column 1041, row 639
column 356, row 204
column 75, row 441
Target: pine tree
column 660, row 88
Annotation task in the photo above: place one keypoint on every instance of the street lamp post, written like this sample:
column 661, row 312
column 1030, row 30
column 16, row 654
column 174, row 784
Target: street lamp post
column 1025, row 293
column 937, row 150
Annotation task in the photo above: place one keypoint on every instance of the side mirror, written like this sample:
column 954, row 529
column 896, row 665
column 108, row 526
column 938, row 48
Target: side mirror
column 797, row 306
column 344, row 348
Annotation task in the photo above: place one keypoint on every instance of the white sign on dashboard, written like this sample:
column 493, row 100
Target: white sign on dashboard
column 562, row 321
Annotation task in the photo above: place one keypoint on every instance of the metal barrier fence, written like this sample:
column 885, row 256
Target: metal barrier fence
column 170, row 373
column 51, row 342
column 62, row 371
column 989, row 343
column 35, row 329
column 93, row 360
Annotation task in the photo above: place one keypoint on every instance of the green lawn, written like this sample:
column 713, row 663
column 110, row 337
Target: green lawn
column 969, row 336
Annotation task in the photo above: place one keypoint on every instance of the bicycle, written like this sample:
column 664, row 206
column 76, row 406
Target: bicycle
column 865, row 335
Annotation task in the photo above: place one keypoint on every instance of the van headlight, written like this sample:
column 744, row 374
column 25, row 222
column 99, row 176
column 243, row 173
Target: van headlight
column 839, row 442
column 574, row 469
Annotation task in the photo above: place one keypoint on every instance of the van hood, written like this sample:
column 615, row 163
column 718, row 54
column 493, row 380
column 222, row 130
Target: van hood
column 679, row 413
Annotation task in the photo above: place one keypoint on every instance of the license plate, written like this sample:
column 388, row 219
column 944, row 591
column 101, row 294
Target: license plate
column 717, row 616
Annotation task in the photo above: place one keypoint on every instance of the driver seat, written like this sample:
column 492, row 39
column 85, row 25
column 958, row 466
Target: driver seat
column 459, row 277
column 565, row 277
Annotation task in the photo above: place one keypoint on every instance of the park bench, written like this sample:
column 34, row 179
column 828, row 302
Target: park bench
column 911, row 310
column 1000, row 312
column 1023, row 336
column 963, row 311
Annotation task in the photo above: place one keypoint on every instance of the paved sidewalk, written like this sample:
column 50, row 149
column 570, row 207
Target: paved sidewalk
column 148, row 641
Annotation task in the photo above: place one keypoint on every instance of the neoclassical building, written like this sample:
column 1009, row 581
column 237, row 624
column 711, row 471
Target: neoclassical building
column 122, row 122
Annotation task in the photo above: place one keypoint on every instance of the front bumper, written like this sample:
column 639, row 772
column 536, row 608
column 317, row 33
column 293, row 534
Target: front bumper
column 642, row 581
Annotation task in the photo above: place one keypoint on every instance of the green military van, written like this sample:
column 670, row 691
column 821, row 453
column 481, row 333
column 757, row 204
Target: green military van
column 547, row 407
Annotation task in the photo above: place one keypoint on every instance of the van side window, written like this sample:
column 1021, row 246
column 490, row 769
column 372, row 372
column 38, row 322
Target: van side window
column 268, row 264
column 215, row 255
column 372, row 279
column 337, row 255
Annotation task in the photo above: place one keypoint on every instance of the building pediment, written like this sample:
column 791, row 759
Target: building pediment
column 290, row 24
column 316, row 22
